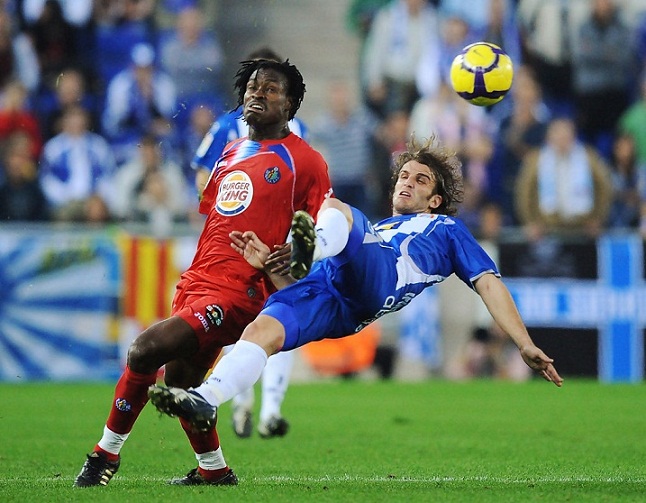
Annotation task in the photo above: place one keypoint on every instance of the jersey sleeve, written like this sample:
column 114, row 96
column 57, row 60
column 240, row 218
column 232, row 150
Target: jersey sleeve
column 470, row 260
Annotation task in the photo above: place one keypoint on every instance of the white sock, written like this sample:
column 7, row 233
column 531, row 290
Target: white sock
column 213, row 460
column 275, row 379
column 112, row 442
column 332, row 233
column 234, row 373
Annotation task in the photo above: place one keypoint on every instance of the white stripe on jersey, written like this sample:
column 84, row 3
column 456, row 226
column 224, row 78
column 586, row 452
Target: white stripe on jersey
column 407, row 271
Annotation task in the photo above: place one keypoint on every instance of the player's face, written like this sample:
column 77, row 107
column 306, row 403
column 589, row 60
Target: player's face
column 265, row 99
column 415, row 190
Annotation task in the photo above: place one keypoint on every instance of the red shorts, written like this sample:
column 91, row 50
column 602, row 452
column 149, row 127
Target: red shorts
column 218, row 317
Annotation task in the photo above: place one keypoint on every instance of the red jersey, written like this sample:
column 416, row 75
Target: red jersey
column 254, row 186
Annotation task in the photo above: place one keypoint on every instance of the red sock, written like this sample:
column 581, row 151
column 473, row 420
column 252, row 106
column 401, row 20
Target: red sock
column 130, row 397
column 201, row 441
column 108, row 455
column 213, row 474
column 204, row 442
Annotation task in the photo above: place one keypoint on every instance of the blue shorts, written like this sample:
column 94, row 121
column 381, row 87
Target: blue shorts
column 312, row 309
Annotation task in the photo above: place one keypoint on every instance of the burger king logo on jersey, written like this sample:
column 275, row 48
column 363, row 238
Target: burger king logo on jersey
column 235, row 194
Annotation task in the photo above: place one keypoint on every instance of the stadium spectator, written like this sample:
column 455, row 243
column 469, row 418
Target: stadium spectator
column 359, row 18
column 604, row 58
column 119, row 27
column 16, row 116
column 361, row 14
column 626, row 204
column 398, row 37
column 220, row 293
column 345, row 132
column 18, row 59
column 54, row 39
column 433, row 69
column 548, row 29
column 522, row 130
column 21, row 198
column 391, row 140
column 140, row 99
column 488, row 352
column 356, row 279
column 475, row 15
column 77, row 15
column 454, row 120
column 563, row 186
column 77, row 167
column 502, row 28
column 633, row 122
column 70, row 88
column 150, row 188
column 476, row 158
column 193, row 58
column 166, row 12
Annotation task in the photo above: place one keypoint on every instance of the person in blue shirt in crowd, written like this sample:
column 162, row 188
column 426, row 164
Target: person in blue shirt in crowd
column 275, row 381
column 360, row 273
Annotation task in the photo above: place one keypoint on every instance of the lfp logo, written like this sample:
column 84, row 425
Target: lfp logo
column 235, row 194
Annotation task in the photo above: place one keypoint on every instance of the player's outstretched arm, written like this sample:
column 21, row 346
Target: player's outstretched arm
column 254, row 251
column 503, row 309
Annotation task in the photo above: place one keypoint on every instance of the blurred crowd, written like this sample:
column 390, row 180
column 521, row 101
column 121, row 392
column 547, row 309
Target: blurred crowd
column 102, row 106
column 104, row 102
column 564, row 151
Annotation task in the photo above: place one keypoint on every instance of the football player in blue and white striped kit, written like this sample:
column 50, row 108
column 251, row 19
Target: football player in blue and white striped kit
column 360, row 272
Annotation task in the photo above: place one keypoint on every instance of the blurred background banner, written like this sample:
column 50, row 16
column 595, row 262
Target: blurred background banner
column 59, row 305
column 73, row 298
column 592, row 292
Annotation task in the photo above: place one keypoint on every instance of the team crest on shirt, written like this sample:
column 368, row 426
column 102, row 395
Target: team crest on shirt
column 272, row 175
column 234, row 194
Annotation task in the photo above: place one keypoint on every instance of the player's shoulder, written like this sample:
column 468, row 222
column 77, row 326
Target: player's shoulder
column 451, row 222
column 298, row 146
column 424, row 222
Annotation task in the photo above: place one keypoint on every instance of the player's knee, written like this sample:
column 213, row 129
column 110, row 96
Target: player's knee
column 338, row 205
column 143, row 354
column 267, row 336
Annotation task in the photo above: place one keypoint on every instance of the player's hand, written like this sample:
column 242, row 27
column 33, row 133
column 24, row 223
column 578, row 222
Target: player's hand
column 539, row 361
column 250, row 247
column 278, row 260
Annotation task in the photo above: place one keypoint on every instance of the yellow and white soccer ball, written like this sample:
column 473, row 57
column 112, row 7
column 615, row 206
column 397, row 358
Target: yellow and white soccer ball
column 482, row 73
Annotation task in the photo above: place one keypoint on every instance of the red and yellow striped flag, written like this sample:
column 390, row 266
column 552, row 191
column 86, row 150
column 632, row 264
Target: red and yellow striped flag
column 150, row 275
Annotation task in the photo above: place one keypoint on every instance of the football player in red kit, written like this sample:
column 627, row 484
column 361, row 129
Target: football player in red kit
column 258, row 184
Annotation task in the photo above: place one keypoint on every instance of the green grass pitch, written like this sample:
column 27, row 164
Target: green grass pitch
column 350, row 441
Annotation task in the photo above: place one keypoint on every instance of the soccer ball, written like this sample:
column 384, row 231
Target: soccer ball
column 482, row 73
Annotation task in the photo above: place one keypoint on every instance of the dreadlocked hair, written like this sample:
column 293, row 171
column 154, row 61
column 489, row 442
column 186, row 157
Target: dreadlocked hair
column 445, row 166
column 295, row 84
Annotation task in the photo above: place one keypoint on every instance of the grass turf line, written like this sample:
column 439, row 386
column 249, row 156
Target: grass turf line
column 350, row 441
